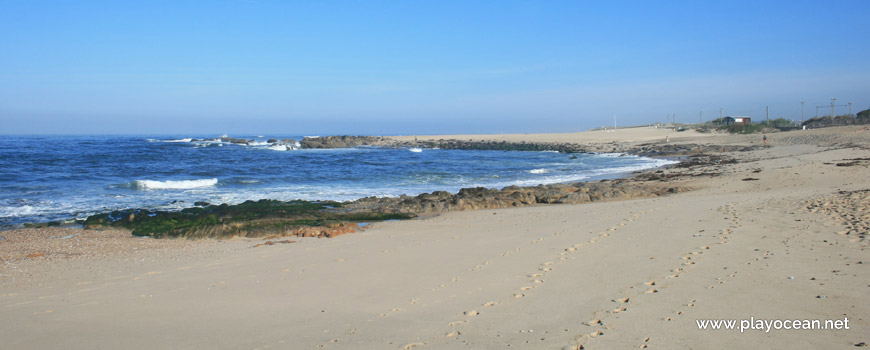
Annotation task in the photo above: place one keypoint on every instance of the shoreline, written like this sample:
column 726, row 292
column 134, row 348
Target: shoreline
column 777, row 233
column 669, row 152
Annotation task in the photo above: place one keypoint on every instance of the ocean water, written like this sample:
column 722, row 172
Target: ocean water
column 46, row 178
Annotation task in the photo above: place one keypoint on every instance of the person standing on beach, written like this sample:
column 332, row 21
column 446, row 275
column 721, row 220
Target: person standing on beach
column 764, row 139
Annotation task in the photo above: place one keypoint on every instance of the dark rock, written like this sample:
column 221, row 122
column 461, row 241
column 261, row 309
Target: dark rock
column 234, row 140
column 342, row 141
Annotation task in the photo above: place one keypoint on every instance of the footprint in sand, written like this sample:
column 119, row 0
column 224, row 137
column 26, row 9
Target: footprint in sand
column 413, row 346
column 595, row 322
column 454, row 323
column 471, row 313
column 651, row 291
column 452, row 334
column 491, row 303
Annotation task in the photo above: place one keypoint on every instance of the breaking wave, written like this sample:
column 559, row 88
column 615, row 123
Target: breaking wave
column 174, row 184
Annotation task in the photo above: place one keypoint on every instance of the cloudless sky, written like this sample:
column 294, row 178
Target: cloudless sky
column 371, row 67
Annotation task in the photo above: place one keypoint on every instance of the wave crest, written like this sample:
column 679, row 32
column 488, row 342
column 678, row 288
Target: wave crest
column 174, row 185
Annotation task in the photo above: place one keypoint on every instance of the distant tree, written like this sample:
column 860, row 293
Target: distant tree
column 864, row 114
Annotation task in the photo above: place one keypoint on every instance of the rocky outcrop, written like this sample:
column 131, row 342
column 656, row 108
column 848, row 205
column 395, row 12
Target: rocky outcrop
column 514, row 196
column 657, row 149
column 672, row 150
column 234, row 140
column 249, row 219
column 495, row 146
column 328, row 231
column 342, row 141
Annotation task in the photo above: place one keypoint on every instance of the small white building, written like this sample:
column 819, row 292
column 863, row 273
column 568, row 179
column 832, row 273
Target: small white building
column 738, row 120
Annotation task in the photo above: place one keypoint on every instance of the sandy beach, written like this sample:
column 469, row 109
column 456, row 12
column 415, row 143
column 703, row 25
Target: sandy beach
column 780, row 234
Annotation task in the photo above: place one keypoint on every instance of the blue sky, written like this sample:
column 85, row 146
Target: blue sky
column 369, row 67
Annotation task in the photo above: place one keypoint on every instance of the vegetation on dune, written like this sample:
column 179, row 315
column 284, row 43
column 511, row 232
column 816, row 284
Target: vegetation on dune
column 779, row 124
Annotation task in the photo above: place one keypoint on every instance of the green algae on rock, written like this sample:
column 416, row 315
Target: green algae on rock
column 248, row 219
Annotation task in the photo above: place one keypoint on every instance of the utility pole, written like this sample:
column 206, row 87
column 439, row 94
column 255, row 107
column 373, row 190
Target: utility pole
column 614, row 122
column 802, row 112
column 720, row 115
column 767, row 112
column 700, row 115
column 850, row 109
column 832, row 107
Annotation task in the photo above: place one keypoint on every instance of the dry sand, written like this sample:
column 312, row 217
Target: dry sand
column 786, row 244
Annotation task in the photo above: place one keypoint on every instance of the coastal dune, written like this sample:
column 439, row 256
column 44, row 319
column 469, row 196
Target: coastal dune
column 779, row 234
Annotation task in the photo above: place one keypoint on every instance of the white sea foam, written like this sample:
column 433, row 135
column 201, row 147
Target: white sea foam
column 278, row 148
column 174, row 185
column 24, row 210
column 416, row 150
column 538, row 171
column 259, row 143
column 179, row 140
column 611, row 155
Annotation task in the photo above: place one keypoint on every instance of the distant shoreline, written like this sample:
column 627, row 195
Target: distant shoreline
column 424, row 204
